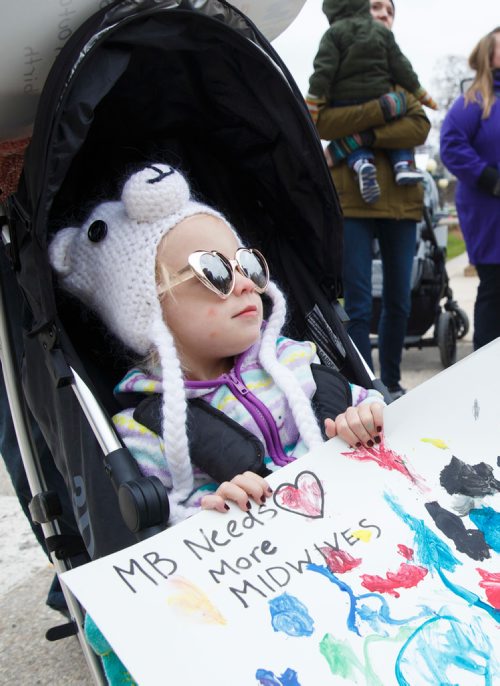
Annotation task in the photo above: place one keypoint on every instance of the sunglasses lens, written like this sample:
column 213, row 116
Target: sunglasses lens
column 254, row 267
column 217, row 272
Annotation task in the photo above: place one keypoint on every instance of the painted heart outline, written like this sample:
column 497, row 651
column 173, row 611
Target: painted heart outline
column 305, row 497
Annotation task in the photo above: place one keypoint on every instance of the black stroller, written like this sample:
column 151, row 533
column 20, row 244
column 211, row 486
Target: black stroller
column 430, row 286
column 196, row 85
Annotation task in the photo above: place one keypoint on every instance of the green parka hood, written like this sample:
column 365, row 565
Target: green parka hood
column 345, row 9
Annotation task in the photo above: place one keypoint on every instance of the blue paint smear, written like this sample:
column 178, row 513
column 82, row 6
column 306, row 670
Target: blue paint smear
column 431, row 551
column 487, row 520
column 267, row 678
column 290, row 616
column 444, row 642
column 382, row 616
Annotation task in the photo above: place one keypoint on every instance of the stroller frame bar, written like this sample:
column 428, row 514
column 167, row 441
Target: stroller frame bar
column 98, row 421
column 34, row 475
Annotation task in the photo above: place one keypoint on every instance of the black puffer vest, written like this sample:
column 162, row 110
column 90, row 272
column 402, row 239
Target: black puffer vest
column 221, row 447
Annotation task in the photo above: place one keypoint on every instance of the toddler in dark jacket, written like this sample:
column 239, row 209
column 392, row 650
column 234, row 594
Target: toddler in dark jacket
column 359, row 60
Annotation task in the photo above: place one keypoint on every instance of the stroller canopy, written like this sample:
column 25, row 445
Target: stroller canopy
column 192, row 83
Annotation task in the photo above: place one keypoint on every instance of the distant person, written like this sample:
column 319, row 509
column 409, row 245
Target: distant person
column 358, row 60
column 470, row 149
column 392, row 219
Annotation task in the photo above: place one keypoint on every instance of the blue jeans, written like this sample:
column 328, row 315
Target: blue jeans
column 397, row 239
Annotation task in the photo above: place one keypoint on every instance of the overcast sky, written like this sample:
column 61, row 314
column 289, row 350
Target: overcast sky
column 425, row 30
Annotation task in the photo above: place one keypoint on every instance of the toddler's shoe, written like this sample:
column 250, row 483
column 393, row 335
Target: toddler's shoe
column 407, row 175
column 367, row 178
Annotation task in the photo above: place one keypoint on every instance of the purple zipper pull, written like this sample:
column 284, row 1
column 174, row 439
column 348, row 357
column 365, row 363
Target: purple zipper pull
column 238, row 383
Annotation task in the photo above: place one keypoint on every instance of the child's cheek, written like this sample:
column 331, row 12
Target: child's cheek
column 211, row 318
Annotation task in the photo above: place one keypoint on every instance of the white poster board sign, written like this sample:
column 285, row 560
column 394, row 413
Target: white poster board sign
column 32, row 33
column 373, row 566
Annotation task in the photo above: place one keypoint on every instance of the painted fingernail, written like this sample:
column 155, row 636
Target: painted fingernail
column 269, row 490
column 226, row 506
column 369, row 444
column 249, row 507
column 379, row 429
column 262, row 498
column 376, row 439
column 358, row 444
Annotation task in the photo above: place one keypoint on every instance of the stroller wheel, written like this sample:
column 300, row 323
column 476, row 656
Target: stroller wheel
column 461, row 322
column 446, row 335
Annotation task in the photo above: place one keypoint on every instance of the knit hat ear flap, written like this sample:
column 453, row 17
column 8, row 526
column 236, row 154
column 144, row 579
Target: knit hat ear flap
column 300, row 405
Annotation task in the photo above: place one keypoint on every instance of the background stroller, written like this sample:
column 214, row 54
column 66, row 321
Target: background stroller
column 430, row 286
column 196, row 85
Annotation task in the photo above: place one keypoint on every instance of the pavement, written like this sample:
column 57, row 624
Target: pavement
column 26, row 657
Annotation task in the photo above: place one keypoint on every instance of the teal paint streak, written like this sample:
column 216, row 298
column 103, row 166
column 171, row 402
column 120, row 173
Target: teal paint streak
column 444, row 642
column 432, row 552
column 436, row 555
column 470, row 597
column 487, row 520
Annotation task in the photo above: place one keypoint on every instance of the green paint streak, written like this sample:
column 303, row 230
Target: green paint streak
column 371, row 677
column 340, row 657
column 343, row 662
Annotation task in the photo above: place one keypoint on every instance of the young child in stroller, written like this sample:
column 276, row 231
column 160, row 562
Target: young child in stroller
column 168, row 276
column 359, row 60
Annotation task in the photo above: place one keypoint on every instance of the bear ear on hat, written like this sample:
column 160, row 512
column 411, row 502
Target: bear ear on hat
column 59, row 250
column 156, row 192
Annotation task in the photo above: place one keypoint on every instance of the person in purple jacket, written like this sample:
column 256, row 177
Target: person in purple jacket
column 470, row 149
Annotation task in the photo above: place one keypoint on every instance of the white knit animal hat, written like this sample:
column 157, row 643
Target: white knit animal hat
column 109, row 263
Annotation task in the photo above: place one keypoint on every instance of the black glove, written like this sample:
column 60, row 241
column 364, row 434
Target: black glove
column 489, row 181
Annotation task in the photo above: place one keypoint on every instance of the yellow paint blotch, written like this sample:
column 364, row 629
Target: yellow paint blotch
column 436, row 442
column 190, row 600
column 362, row 535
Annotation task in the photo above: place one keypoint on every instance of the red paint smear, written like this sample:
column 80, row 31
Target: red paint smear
column 491, row 584
column 385, row 458
column 406, row 552
column 339, row 561
column 295, row 499
column 305, row 497
column 407, row 576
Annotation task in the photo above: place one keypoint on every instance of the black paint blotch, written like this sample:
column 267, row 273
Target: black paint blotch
column 468, row 541
column 475, row 481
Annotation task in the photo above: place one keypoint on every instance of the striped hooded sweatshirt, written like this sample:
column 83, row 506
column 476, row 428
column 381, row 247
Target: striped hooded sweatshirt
column 246, row 394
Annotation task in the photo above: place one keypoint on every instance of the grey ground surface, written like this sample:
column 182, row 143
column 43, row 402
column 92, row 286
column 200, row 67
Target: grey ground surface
column 26, row 658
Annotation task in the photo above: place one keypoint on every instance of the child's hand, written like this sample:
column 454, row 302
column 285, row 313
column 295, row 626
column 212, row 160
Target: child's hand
column 357, row 425
column 238, row 490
